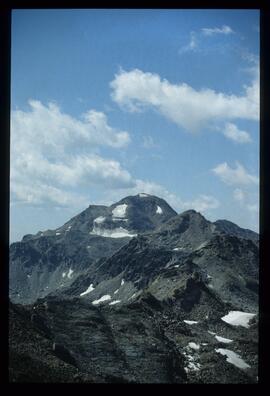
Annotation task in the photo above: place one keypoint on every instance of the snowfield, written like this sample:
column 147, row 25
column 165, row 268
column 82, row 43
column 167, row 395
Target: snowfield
column 116, row 233
column 194, row 346
column 70, row 272
column 224, row 340
column 238, row 318
column 190, row 322
column 106, row 297
column 119, row 211
column 233, row 358
column 99, row 220
column 90, row 288
column 115, row 302
column 159, row 210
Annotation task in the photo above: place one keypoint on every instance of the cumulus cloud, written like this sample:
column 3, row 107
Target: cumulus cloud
column 237, row 176
column 49, row 127
column 223, row 30
column 52, row 152
column 187, row 107
column 232, row 132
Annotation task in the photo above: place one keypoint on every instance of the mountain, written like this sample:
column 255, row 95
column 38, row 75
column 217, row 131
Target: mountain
column 160, row 260
column 230, row 228
column 136, row 293
column 52, row 259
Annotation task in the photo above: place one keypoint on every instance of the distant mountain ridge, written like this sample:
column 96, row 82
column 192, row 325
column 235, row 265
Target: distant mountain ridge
column 50, row 261
column 135, row 293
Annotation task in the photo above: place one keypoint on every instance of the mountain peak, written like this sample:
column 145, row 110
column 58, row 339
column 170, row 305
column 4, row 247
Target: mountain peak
column 190, row 212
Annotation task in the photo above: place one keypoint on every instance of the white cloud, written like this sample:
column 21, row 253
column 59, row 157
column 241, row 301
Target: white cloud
column 37, row 193
column 253, row 208
column 202, row 203
column 232, row 132
column 239, row 195
column 237, row 176
column 52, row 152
column 243, row 197
column 180, row 103
column 223, row 30
column 191, row 46
column 49, row 127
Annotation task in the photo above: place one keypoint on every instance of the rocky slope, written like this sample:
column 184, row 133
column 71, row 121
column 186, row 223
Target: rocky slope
column 144, row 341
column 186, row 244
column 52, row 259
column 159, row 298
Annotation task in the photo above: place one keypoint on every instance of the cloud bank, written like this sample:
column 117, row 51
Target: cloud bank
column 187, row 107
column 52, row 152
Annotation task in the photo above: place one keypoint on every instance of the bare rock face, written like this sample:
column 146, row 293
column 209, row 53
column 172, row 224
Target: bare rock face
column 52, row 259
column 135, row 293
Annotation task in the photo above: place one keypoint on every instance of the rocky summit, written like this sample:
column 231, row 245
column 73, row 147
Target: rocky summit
column 135, row 293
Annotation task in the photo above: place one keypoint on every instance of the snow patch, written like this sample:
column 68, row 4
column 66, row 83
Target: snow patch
column 159, row 210
column 116, row 291
column 211, row 332
column 119, row 211
column 192, row 367
column 178, row 248
column 122, row 282
column 64, row 274
column 190, row 322
column 99, row 220
column 90, row 288
column 58, row 233
column 116, row 233
column 176, row 266
column 106, row 297
column 28, row 276
column 116, row 219
column 194, row 346
column 70, row 272
column 115, row 302
column 142, row 195
column 233, row 358
column 224, row 340
column 133, row 295
column 238, row 318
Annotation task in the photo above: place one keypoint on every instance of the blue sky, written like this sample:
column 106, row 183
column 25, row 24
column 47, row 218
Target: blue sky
column 109, row 103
